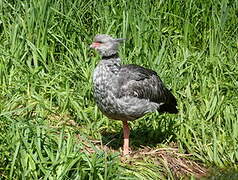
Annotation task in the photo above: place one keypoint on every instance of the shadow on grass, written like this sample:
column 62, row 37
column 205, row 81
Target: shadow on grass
column 142, row 135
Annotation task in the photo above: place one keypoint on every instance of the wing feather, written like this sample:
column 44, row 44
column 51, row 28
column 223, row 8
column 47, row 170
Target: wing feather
column 144, row 83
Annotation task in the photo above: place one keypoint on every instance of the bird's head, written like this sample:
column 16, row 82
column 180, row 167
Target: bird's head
column 106, row 45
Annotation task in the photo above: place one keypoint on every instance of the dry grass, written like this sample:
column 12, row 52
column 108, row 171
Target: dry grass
column 180, row 164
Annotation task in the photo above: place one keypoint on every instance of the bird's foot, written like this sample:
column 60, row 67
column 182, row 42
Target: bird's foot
column 126, row 152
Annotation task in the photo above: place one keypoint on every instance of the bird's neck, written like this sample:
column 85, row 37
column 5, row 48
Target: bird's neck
column 112, row 59
column 107, row 68
column 113, row 56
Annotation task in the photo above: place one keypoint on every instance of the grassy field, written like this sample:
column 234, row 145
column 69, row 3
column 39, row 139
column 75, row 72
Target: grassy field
column 50, row 127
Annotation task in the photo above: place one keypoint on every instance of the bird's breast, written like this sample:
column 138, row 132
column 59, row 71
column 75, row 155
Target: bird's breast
column 104, row 86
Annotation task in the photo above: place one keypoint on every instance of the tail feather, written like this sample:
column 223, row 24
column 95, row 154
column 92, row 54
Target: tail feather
column 170, row 106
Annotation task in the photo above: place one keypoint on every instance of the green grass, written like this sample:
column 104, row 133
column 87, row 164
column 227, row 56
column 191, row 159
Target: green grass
column 45, row 83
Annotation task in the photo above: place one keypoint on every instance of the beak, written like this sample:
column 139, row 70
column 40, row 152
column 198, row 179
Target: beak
column 95, row 45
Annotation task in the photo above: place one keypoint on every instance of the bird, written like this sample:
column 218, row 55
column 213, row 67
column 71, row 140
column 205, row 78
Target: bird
column 126, row 92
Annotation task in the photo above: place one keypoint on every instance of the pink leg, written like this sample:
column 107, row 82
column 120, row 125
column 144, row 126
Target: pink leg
column 126, row 133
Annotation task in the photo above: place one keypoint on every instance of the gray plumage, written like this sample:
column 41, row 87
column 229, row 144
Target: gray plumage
column 127, row 92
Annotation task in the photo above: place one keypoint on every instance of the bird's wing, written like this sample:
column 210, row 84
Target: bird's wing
column 143, row 83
